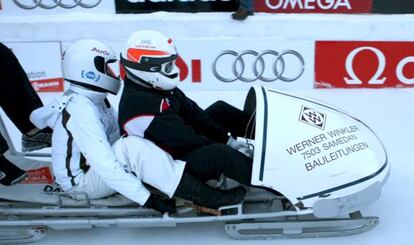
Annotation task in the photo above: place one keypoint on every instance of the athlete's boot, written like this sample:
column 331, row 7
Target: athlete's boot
column 9, row 173
column 202, row 194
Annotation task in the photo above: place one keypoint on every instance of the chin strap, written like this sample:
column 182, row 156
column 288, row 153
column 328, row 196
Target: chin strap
column 130, row 76
column 135, row 79
column 89, row 86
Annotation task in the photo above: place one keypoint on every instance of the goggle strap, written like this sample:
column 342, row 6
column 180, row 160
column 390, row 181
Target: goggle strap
column 149, row 64
column 158, row 60
column 140, row 67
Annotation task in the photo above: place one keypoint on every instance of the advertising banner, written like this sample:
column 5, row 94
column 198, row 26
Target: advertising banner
column 148, row 6
column 314, row 6
column 42, row 63
column 26, row 7
column 240, row 64
column 393, row 7
column 347, row 64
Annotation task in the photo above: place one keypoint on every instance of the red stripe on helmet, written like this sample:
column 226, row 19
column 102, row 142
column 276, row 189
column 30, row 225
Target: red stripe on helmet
column 136, row 54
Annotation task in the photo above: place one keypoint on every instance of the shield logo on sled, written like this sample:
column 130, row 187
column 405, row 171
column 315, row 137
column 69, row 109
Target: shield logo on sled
column 312, row 117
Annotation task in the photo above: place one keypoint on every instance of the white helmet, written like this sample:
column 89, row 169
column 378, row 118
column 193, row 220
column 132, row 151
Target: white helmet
column 149, row 60
column 87, row 63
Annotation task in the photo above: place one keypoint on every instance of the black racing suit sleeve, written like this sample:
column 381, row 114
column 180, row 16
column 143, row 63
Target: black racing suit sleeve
column 169, row 131
column 202, row 123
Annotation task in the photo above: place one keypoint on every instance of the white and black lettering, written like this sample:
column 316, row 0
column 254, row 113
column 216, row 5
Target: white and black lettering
column 308, row 4
column 339, row 141
column 306, row 144
column 342, row 131
column 335, row 155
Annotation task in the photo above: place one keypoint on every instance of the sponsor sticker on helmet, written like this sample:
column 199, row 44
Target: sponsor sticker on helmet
column 100, row 51
column 90, row 75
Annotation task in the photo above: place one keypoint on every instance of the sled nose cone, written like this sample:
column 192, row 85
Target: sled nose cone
column 333, row 207
column 314, row 154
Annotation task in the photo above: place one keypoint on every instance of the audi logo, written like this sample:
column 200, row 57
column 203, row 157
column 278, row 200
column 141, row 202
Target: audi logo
column 259, row 64
column 50, row 4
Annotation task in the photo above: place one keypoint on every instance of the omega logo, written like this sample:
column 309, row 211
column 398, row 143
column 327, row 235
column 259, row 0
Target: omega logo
column 378, row 77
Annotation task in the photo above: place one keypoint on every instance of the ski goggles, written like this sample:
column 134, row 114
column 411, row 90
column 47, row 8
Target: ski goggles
column 106, row 66
column 164, row 65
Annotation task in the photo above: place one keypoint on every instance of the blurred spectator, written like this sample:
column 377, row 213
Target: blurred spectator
column 246, row 8
column 18, row 99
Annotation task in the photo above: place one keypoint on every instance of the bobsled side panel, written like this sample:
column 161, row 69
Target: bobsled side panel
column 308, row 150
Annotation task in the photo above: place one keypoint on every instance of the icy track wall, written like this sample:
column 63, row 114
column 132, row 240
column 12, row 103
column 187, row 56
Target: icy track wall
column 283, row 51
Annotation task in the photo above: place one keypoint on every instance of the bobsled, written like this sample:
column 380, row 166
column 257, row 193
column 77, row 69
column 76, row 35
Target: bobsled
column 314, row 169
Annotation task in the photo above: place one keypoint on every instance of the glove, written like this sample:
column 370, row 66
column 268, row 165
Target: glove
column 248, row 152
column 160, row 204
column 237, row 145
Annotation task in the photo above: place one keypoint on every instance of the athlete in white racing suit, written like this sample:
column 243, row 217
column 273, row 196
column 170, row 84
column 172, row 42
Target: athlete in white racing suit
column 85, row 126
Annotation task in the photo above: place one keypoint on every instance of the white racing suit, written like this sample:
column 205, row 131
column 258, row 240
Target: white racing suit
column 84, row 127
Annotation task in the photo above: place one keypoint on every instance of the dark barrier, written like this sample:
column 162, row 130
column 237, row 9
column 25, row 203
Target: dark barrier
column 393, row 6
column 336, row 6
column 148, row 6
column 270, row 6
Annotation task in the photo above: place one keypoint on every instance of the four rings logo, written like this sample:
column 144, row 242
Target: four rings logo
column 259, row 67
column 50, row 4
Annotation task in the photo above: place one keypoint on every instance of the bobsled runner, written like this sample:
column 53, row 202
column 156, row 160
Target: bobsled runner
column 324, row 165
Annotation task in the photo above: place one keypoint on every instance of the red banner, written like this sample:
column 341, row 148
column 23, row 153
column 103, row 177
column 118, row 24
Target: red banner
column 364, row 64
column 48, row 85
column 314, row 6
column 39, row 176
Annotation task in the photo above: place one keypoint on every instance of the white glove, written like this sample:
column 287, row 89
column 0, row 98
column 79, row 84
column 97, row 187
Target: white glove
column 248, row 152
column 241, row 146
column 237, row 145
